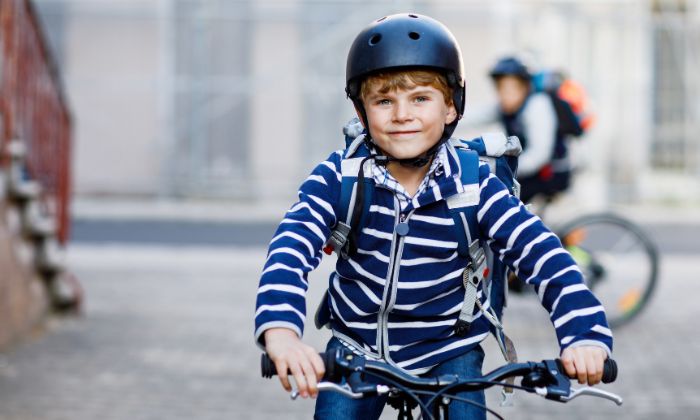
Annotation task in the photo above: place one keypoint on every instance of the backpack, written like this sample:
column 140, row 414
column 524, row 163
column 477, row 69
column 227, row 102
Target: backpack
column 501, row 154
column 570, row 101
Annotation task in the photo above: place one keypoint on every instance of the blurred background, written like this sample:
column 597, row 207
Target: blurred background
column 238, row 99
column 149, row 148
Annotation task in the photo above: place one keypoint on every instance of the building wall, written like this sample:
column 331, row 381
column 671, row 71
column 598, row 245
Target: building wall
column 286, row 105
column 110, row 67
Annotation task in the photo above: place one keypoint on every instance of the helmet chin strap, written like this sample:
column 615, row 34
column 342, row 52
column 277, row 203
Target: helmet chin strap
column 383, row 159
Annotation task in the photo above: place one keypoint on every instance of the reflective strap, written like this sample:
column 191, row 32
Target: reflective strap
column 463, row 209
column 508, row 349
column 491, row 317
column 466, row 315
column 472, row 277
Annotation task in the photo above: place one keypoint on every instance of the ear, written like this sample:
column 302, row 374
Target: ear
column 451, row 115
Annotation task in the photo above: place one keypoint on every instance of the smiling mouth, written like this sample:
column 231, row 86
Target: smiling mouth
column 398, row 133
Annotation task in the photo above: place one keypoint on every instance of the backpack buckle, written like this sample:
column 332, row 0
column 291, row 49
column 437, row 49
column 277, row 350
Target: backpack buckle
column 338, row 240
column 474, row 273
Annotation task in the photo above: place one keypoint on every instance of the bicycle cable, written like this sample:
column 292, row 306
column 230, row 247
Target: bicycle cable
column 403, row 389
column 458, row 398
column 443, row 391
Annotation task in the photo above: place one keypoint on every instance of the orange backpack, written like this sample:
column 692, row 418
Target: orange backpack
column 570, row 101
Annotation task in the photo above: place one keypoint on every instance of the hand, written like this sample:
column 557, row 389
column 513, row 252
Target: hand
column 584, row 363
column 289, row 353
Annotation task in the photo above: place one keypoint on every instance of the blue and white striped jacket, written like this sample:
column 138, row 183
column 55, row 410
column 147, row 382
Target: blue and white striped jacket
column 399, row 297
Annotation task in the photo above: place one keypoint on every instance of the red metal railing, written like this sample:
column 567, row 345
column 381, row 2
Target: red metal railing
column 33, row 108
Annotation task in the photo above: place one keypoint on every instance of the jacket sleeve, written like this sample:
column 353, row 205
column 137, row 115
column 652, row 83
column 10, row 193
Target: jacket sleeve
column 540, row 123
column 536, row 255
column 295, row 250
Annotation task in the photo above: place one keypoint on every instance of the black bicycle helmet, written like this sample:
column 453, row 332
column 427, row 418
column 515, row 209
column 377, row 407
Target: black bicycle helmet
column 510, row 66
column 406, row 40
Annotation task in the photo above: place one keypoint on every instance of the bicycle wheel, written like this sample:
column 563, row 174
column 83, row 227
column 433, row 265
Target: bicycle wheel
column 618, row 260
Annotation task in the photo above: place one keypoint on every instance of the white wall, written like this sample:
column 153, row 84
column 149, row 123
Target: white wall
column 118, row 55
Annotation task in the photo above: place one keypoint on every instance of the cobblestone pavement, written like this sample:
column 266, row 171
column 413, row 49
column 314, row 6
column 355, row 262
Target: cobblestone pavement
column 167, row 334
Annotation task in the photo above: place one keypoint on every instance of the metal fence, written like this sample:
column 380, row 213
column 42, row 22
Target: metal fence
column 676, row 41
column 33, row 108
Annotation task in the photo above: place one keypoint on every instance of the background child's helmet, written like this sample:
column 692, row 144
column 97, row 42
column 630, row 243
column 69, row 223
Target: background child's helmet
column 406, row 41
column 510, row 66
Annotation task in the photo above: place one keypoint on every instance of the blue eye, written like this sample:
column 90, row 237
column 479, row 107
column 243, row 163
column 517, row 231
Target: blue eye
column 422, row 99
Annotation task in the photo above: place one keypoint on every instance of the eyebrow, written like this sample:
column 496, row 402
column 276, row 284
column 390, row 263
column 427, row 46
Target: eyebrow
column 419, row 90
column 422, row 91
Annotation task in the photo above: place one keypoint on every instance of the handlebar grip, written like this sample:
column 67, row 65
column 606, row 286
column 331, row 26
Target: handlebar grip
column 609, row 371
column 268, row 368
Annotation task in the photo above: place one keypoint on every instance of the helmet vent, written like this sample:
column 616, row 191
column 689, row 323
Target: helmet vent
column 413, row 16
column 375, row 39
column 414, row 35
column 381, row 19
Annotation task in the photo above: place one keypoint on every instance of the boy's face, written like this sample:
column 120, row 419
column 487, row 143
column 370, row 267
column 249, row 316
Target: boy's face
column 406, row 123
column 512, row 92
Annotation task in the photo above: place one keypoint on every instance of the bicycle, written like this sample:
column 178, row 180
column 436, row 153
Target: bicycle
column 618, row 259
column 346, row 373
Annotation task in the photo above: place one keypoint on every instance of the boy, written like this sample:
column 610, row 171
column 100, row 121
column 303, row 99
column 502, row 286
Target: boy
column 397, row 292
column 543, row 167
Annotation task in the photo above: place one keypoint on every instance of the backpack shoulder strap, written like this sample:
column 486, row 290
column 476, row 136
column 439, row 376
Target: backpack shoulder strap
column 353, row 157
column 463, row 206
column 463, row 209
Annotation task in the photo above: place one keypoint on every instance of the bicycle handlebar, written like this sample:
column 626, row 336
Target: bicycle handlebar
column 341, row 360
column 546, row 378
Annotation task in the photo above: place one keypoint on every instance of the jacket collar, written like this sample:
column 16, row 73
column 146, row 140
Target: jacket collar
column 441, row 181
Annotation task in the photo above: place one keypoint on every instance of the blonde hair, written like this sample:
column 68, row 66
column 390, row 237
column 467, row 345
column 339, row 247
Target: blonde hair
column 392, row 81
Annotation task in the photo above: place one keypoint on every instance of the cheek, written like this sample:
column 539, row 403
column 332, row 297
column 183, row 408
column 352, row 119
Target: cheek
column 374, row 128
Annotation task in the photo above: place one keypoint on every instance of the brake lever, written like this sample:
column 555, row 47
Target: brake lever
column 330, row 386
column 343, row 389
column 593, row 392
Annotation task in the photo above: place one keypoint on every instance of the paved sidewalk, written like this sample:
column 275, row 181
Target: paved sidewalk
column 167, row 334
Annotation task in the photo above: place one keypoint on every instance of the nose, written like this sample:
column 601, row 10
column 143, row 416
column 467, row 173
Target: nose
column 402, row 111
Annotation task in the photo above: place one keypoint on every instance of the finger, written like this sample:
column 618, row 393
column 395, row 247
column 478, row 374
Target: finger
column 299, row 379
column 599, row 360
column 580, row 365
column 591, row 368
column 310, row 376
column 568, row 361
column 317, row 363
column 282, row 369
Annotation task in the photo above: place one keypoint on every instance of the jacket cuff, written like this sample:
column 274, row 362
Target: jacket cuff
column 594, row 343
column 260, row 332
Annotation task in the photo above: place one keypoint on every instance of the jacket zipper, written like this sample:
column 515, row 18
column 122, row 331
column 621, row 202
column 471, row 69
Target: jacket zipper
column 388, row 299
